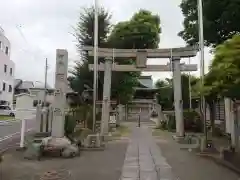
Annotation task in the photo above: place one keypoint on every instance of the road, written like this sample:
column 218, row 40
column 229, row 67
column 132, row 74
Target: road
column 10, row 132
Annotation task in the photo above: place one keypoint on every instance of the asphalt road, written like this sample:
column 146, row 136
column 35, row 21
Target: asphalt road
column 10, row 132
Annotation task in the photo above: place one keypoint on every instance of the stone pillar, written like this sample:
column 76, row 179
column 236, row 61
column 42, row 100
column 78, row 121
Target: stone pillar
column 106, row 97
column 159, row 118
column 59, row 103
column 45, row 119
column 120, row 111
column 235, row 125
column 50, row 118
column 178, row 106
column 228, row 114
column 38, row 118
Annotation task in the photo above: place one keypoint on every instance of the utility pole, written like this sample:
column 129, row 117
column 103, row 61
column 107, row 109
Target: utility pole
column 45, row 82
column 190, row 88
column 95, row 78
column 202, row 65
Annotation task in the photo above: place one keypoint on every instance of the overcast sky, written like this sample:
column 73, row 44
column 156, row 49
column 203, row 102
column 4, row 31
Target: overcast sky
column 36, row 28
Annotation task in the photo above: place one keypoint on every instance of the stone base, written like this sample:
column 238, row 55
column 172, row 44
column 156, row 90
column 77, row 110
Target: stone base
column 21, row 149
column 178, row 139
column 93, row 141
column 51, row 147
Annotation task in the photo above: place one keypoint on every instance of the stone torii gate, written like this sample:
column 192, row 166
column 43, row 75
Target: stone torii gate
column 141, row 56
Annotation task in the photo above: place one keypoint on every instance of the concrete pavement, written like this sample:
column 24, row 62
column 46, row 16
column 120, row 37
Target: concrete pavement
column 187, row 165
column 144, row 160
column 10, row 132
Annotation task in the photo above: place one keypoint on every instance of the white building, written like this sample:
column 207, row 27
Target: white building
column 7, row 69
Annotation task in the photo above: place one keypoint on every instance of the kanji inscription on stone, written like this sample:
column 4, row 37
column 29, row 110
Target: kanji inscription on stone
column 60, row 77
column 58, row 93
column 57, row 112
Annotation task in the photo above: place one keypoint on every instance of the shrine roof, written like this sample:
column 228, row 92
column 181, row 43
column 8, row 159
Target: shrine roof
column 145, row 82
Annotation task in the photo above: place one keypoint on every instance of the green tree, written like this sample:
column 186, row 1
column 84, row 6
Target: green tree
column 225, row 69
column 165, row 94
column 140, row 32
column 84, row 33
column 165, row 91
column 220, row 19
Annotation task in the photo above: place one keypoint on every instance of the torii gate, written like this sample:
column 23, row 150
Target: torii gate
column 141, row 56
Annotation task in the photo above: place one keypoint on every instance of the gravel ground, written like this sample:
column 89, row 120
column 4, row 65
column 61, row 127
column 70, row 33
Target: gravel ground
column 188, row 166
column 91, row 165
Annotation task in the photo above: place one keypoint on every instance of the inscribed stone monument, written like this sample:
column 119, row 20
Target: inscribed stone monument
column 60, row 93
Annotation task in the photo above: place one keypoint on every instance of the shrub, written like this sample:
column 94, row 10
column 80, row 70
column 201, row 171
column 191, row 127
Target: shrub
column 192, row 121
column 70, row 124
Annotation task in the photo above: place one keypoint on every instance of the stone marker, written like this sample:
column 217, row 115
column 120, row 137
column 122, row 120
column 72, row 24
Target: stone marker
column 60, row 93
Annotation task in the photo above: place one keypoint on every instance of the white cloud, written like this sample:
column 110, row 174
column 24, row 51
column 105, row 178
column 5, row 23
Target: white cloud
column 46, row 26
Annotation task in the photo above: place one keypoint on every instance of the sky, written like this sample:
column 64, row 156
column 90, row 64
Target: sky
column 36, row 28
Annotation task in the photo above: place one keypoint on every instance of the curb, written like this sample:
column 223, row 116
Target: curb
column 221, row 162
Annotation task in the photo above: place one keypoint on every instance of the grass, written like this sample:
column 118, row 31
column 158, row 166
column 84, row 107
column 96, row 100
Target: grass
column 3, row 118
column 160, row 132
column 121, row 131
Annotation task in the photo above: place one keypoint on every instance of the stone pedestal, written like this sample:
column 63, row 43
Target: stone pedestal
column 159, row 112
column 120, row 111
column 106, row 97
column 178, row 106
column 38, row 118
column 50, row 118
column 93, row 141
column 45, row 119
column 60, row 93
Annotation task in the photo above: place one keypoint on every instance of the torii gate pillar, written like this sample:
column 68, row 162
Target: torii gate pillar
column 106, row 97
column 178, row 103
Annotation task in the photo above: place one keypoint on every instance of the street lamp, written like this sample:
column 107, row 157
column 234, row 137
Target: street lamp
column 202, row 72
column 95, row 62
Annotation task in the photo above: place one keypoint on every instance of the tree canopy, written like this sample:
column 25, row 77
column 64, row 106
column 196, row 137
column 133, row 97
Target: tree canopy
column 141, row 31
column 165, row 91
column 84, row 34
column 220, row 19
column 224, row 75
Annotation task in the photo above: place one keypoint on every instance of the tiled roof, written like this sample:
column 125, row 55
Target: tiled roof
column 20, row 84
column 40, row 85
column 17, row 82
column 146, row 81
column 26, row 85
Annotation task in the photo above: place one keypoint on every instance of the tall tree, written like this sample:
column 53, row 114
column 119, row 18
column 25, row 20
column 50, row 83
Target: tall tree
column 220, row 19
column 84, row 33
column 225, row 69
column 165, row 94
column 140, row 32
column 165, row 91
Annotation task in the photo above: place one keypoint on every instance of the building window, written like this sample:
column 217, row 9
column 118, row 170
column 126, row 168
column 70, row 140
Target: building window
column 10, row 88
column 11, row 71
column 5, row 68
column 6, row 50
column 4, row 87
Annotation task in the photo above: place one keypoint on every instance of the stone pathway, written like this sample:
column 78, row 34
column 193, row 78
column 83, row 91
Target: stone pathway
column 143, row 160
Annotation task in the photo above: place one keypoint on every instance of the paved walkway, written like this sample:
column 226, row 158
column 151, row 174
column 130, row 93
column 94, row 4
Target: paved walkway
column 144, row 160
